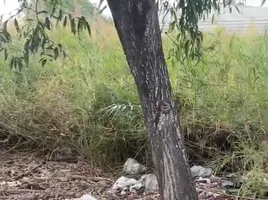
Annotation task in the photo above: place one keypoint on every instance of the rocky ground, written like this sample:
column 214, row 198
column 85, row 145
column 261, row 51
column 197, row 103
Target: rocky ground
column 36, row 177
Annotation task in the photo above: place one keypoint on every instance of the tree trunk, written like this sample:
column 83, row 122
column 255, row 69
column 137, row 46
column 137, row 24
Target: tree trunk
column 137, row 25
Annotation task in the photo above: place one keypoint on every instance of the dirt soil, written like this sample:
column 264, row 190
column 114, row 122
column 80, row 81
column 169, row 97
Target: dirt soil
column 31, row 176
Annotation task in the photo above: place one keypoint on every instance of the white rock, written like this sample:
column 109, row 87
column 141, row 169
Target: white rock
column 136, row 188
column 133, row 167
column 87, row 197
column 124, row 182
column 84, row 197
column 124, row 191
column 227, row 184
column 203, row 180
column 149, row 182
column 199, row 171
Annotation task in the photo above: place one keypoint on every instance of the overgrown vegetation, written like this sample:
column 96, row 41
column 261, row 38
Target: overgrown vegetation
column 89, row 102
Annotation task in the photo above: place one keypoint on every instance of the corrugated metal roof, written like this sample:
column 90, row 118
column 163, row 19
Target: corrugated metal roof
column 235, row 21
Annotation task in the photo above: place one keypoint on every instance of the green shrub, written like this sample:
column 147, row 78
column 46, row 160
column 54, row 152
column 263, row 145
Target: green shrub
column 89, row 102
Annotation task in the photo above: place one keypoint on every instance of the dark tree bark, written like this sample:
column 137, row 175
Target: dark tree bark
column 137, row 25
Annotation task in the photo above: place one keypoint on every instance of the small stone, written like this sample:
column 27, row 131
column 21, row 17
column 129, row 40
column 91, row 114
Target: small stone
column 125, row 191
column 110, row 192
column 203, row 180
column 87, row 197
column 124, row 182
column 149, row 182
column 25, row 179
column 136, row 188
column 199, row 171
column 227, row 184
column 133, row 167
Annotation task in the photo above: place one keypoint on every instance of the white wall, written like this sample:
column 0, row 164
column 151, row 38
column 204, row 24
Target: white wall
column 10, row 5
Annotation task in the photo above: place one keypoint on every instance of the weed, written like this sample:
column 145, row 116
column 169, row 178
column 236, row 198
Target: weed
column 89, row 102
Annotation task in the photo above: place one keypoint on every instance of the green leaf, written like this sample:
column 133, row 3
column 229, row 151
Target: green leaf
column 60, row 15
column 29, row 20
column 60, row 47
column 237, row 9
column 43, row 61
column 20, row 63
column 72, row 21
column 56, row 53
column 79, row 25
column 44, row 43
column 5, row 54
column 83, row 24
column 59, row 18
column 213, row 19
column 102, row 9
column 64, row 54
column 5, row 25
column 47, row 23
column 65, row 21
column 12, row 62
column 16, row 25
column 172, row 26
column 7, row 37
column 88, row 28
column 50, row 47
column 100, row 3
column 187, row 46
column 5, row 34
column 26, row 53
column 53, row 11
column 42, row 12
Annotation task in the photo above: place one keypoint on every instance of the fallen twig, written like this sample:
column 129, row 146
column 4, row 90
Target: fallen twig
column 95, row 179
column 17, row 191
column 29, row 171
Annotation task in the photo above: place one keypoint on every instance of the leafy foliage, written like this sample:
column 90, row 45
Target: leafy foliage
column 185, row 15
column 41, row 14
column 71, row 103
column 34, row 31
column 87, row 8
column 78, row 7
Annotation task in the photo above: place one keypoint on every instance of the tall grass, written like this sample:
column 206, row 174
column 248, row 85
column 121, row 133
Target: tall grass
column 89, row 102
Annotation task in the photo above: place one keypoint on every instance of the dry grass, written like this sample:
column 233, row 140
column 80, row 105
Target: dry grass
column 89, row 101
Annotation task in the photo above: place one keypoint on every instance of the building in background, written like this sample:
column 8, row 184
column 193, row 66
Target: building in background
column 240, row 20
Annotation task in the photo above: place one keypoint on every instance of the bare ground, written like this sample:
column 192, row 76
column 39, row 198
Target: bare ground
column 31, row 176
